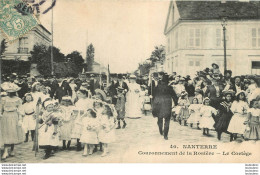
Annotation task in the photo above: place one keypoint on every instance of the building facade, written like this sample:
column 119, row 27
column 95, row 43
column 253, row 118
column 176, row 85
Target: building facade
column 195, row 36
column 20, row 49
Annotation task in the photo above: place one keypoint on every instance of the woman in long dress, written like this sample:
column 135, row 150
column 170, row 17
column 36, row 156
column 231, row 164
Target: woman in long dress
column 11, row 120
column 133, row 103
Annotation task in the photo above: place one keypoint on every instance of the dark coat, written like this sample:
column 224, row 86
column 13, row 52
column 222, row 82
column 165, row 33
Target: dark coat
column 224, row 117
column 162, row 100
column 211, row 92
column 24, row 89
column 124, row 86
column 63, row 91
column 112, row 92
column 235, row 89
column 94, row 84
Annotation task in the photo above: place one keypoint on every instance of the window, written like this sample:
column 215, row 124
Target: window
column 168, row 45
column 197, row 63
column 218, row 37
column 255, row 37
column 255, row 67
column 190, row 63
column 23, row 45
column 176, row 40
column 194, row 38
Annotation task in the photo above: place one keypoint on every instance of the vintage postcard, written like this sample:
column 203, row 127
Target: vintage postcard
column 129, row 81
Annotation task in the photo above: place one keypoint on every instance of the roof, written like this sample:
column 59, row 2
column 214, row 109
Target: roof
column 45, row 29
column 209, row 10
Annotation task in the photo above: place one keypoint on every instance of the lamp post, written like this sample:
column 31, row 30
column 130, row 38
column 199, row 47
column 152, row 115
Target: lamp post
column 224, row 24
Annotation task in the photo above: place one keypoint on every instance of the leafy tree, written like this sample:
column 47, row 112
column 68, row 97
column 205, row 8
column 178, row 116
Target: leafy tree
column 90, row 57
column 158, row 54
column 75, row 58
column 57, row 55
column 3, row 47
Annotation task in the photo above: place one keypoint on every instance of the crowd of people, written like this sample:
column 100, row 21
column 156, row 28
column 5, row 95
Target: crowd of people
column 209, row 101
column 53, row 111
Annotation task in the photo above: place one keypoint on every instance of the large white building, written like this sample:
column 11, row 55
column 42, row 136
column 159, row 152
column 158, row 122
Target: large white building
column 20, row 49
column 195, row 36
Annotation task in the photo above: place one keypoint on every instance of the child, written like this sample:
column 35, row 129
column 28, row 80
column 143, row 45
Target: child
column 253, row 132
column 239, row 109
column 106, row 134
column 207, row 113
column 198, row 95
column 83, row 103
column 48, row 137
column 89, row 135
column 27, row 111
column 66, row 121
column 194, row 110
column 146, row 103
column 120, row 107
column 183, row 112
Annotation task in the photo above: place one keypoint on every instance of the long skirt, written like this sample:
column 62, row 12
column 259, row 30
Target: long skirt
column 46, row 138
column 29, row 123
column 237, row 124
column 76, row 128
column 222, row 123
column 65, row 131
column 11, row 132
column 207, row 122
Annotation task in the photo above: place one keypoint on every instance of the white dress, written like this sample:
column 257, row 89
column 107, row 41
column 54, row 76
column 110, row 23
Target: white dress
column 46, row 137
column 239, row 109
column 207, row 120
column 133, row 102
column 106, row 133
column 66, row 122
column 194, row 113
column 28, row 110
column 90, row 128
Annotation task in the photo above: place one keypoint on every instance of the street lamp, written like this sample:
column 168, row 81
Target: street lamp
column 224, row 24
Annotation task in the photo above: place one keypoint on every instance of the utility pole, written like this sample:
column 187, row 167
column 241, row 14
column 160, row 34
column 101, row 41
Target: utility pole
column 224, row 24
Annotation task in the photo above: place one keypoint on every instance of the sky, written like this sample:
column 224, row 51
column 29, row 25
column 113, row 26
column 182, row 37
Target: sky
column 123, row 32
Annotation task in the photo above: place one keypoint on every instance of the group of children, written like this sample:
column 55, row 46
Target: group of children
column 237, row 118
column 91, row 121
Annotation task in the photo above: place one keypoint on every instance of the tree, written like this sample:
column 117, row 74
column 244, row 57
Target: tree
column 76, row 59
column 90, row 57
column 158, row 54
column 57, row 55
column 3, row 47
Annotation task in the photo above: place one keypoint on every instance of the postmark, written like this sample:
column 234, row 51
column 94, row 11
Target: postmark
column 12, row 23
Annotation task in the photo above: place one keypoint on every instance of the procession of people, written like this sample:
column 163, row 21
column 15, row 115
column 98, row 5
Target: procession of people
column 54, row 111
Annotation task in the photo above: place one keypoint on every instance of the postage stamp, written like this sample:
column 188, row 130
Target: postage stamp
column 12, row 23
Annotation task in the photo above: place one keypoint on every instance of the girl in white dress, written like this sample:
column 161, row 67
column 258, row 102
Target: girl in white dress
column 48, row 136
column 81, row 106
column 207, row 112
column 89, row 136
column 106, row 133
column 66, row 121
column 194, row 110
column 28, row 112
column 237, row 122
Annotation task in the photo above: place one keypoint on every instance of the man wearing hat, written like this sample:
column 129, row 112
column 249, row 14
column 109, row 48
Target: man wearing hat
column 214, row 91
column 122, row 84
column 94, row 84
column 238, row 86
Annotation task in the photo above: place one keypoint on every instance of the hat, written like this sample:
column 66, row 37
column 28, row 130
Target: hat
column 3, row 94
column 239, row 92
column 35, row 83
column 132, row 76
column 92, row 75
column 10, row 87
column 182, row 79
column 120, row 89
column 207, row 98
column 183, row 93
column 155, row 74
column 216, row 76
column 228, row 71
column 101, row 92
column 226, row 92
column 47, row 103
column 66, row 98
column 215, row 65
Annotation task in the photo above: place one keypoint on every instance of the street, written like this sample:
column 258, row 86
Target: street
column 141, row 135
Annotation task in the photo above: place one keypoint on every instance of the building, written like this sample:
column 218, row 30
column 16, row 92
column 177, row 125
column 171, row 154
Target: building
column 98, row 68
column 195, row 36
column 20, row 49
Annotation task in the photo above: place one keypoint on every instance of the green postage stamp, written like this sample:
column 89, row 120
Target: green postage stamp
column 12, row 23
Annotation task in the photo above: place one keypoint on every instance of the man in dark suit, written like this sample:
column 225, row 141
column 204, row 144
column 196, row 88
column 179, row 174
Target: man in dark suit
column 238, row 86
column 94, row 84
column 122, row 84
column 214, row 91
column 112, row 91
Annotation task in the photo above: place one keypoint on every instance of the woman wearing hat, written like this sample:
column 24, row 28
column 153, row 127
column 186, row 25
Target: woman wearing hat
column 11, row 120
column 225, row 113
column 239, row 109
column 133, row 102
